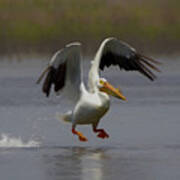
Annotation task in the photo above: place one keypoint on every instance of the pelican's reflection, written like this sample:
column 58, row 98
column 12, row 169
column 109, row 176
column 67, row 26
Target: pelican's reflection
column 83, row 163
column 92, row 165
column 76, row 163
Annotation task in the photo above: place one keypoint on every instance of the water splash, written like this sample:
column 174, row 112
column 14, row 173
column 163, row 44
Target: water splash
column 13, row 142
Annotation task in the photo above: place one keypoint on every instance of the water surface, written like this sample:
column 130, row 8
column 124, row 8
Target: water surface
column 144, row 132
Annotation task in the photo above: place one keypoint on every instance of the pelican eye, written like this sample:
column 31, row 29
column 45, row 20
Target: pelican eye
column 101, row 81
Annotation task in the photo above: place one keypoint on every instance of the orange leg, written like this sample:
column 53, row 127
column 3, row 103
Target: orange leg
column 101, row 133
column 79, row 134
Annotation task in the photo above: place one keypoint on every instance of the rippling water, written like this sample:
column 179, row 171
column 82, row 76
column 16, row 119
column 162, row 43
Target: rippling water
column 144, row 132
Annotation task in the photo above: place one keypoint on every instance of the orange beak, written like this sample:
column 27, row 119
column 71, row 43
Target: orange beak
column 109, row 89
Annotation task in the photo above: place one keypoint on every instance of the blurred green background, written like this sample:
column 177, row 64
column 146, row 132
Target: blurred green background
column 44, row 26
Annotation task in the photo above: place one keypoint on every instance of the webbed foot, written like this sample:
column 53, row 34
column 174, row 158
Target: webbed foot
column 80, row 135
column 102, row 134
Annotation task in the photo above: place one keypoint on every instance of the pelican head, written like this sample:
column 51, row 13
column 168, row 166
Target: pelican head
column 106, row 87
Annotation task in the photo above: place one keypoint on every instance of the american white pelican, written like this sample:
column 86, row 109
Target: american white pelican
column 65, row 71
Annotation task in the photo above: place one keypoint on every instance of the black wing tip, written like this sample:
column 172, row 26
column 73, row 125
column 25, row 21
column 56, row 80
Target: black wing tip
column 153, row 78
column 148, row 65
column 47, row 94
column 46, row 70
column 148, row 74
column 149, row 59
column 46, row 88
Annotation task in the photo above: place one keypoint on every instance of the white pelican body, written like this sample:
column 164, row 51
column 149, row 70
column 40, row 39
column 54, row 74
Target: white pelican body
column 90, row 107
column 64, row 71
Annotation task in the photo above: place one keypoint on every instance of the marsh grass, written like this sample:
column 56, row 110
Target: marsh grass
column 45, row 24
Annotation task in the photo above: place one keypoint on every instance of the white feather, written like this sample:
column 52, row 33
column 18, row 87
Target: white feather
column 71, row 55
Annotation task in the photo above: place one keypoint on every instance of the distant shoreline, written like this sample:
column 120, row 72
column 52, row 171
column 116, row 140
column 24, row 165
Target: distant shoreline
column 89, row 47
column 44, row 26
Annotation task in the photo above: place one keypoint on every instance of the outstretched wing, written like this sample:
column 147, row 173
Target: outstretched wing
column 115, row 52
column 64, row 70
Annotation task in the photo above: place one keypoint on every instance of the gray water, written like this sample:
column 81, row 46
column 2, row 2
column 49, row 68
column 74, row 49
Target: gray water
column 144, row 132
